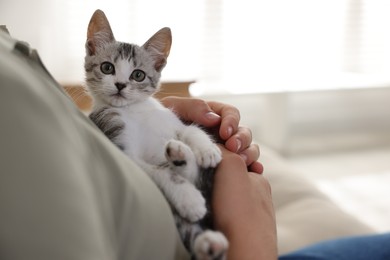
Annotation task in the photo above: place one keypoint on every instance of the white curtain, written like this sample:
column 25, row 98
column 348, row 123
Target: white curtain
column 238, row 46
column 57, row 28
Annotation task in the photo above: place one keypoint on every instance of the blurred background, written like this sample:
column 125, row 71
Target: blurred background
column 249, row 46
column 311, row 77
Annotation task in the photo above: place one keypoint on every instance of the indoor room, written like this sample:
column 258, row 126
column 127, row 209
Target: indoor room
column 311, row 79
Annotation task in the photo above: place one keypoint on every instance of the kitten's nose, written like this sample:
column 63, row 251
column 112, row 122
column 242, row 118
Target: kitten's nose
column 120, row 86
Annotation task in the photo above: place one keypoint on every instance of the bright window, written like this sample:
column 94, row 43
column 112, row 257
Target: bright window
column 234, row 46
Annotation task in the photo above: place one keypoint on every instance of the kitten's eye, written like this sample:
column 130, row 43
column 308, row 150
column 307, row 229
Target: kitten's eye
column 138, row 75
column 107, row 68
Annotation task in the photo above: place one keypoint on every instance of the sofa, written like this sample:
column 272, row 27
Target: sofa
column 304, row 215
column 66, row 192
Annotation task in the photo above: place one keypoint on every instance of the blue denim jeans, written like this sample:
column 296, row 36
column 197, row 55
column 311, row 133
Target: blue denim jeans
column 373, row 247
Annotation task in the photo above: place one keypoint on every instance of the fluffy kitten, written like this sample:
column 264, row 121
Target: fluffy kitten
column 179, row 158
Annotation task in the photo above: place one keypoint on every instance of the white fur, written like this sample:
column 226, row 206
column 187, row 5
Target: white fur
column 149, row 128
column 151, row 135
column 179, row 151
column 210, row 245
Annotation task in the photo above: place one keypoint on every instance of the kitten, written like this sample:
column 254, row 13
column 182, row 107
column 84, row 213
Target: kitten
column 179, row 158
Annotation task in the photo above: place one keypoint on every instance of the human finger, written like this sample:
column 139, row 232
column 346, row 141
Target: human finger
column 193, row 110
column 230, row 118
column 240, row 141
column 256, row 167
column 250, row 154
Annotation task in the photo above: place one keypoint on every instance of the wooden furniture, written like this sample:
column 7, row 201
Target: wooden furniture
column 84, row 102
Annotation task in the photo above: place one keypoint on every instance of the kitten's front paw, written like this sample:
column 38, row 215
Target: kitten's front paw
column 210, row 245
column 178, row 153
column 208, row 157
column 190, row 204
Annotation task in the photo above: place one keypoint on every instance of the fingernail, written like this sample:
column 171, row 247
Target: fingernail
column 212, row 116
column 243, row 156
column 230, row 131
column 238, row 142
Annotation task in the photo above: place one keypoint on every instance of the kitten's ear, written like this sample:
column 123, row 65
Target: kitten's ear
column 99, row 32
column 159, row 46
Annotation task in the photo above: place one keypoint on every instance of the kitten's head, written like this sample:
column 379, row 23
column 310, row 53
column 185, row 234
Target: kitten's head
column 119, row 74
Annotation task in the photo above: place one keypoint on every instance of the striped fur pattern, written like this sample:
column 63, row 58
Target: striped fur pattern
column 110, row 123
column 179, row 158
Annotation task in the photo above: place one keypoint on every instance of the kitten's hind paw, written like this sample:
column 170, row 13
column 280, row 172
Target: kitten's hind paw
column 210, row 245
column 189, row 202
